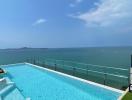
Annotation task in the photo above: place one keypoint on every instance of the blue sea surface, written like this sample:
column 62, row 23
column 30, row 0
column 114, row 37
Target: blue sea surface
column 105, row 56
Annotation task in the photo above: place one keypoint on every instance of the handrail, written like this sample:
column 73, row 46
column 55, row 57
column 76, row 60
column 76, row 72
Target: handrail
column 108, row 67
column 97, row 71
column 100, row 72
column 103, row 72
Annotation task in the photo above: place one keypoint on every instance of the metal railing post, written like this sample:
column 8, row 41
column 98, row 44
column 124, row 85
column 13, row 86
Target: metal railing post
column 130, row 77
column 87, row 70
column 43, row 63
column 105, row 78
column 55, row 66
column 74, row 69
column 34, row 62
column 131, row 61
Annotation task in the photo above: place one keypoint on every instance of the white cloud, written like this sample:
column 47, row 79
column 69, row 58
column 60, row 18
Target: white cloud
column 39, row 21
column 75, row 3
column 107, row 12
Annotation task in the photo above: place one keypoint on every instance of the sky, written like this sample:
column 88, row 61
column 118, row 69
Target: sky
column 65, row 23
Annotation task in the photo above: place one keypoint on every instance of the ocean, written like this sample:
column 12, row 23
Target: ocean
column 114, row 62
column 105, row 56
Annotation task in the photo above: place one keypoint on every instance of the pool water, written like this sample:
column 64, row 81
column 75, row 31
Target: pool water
column 41, row 84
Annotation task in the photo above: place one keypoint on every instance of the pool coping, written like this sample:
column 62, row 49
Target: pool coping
column 74, row 77
column 123, row 94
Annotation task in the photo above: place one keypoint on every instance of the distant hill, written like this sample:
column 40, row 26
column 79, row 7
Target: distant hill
column 23, row 48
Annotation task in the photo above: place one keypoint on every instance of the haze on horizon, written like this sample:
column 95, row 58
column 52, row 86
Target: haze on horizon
column 65, row 23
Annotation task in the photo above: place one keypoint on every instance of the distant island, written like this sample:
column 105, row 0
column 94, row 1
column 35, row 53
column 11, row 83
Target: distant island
column 22, row 48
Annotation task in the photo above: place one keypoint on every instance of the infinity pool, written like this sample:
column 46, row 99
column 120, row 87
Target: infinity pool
column 42, row 84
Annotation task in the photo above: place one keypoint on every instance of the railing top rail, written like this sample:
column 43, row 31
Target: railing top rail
column 107, row 67
column 122, row 76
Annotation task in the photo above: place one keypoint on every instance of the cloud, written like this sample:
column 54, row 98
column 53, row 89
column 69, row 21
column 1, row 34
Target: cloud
column 75, row 3
column 106, row 12
column 39, row 21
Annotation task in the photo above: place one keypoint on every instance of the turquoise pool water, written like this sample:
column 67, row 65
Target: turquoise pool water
column 41, row 84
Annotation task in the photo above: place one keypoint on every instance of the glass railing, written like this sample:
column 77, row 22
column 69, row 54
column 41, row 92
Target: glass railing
column 111, row 76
